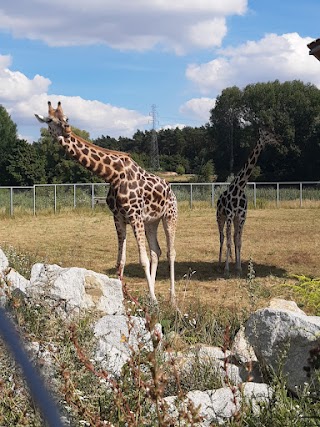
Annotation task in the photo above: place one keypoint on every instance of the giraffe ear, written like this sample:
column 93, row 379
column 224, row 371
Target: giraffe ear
column 50, row 109
column 59, row 108
column 43, row 119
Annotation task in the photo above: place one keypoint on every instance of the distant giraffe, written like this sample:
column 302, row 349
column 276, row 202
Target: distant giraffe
column 135, row 197
column 232, row 203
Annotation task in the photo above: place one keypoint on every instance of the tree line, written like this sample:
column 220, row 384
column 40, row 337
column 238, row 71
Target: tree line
column 216, row 150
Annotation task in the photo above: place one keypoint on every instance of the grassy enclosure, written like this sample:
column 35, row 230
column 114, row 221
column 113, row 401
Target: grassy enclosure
column 280, row 258
column 279, row 242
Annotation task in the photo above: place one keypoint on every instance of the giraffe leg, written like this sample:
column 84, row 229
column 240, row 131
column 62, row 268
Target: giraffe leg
column 122, row 243
column 139, row 232
column 170, row 225
column 155, row 251
column 221, row 221
column 238, row 243
column 229, row 241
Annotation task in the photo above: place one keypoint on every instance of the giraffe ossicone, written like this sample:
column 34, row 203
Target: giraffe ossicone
column 232, row 203
column 135, row 197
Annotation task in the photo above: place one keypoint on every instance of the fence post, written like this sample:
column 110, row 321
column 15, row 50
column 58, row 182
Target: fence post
column 55, row 197
column 212, row 195
column 255, row 195
column 190, row 196
column 278, row 194
column 92, row 196
column 300, row 194
column 11, row 201
column 74, row 196
column 34, row 200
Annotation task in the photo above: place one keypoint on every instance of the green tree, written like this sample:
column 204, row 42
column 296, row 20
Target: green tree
column 291, row 108
column 8, row 139
column 24, row 166
column 59, row 167
column 206, row 172
column 226, row 118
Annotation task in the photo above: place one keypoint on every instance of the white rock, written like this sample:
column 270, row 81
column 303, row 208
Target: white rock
column 282, row 304
column 283, row 339
column 77, row 287
column 217, row 406
column 209, row 353
column 11, row 280
column 204, row 355
column 241, row 349
column 4, row 263
column 15, row 280
column 115, row 343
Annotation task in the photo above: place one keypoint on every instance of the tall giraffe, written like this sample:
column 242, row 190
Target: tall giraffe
column 135, row 197
column 232, row 203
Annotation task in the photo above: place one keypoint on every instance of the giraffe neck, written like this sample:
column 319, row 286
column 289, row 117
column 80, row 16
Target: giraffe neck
column 107, row 164
column 243, row 176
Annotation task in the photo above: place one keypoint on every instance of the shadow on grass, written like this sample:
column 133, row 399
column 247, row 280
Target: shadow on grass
column 205, row 271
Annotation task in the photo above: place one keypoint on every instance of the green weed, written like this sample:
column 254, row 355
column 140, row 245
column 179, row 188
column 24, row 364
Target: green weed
column 307, row 292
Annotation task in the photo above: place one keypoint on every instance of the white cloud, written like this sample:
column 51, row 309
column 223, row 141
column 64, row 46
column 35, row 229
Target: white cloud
column 199, row 108
column 139, row 25
column 22, row 97
column 208, row 33
column 282, row 57
column 177, row 125
column 16, row 86
column 94, row 116
column 5, row 61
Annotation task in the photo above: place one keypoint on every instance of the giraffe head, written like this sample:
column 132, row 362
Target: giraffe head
column 268, row 136
column 57, row 121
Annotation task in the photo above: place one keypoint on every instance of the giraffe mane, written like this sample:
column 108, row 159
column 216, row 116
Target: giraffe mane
column 104, row 150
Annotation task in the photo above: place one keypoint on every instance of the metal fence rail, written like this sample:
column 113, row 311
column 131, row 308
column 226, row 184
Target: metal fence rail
column 54, row 197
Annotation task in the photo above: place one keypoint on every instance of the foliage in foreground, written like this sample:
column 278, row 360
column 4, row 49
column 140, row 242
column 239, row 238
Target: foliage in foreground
column 90, row 396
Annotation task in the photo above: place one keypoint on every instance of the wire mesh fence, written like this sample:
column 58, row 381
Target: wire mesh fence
column 56, row 197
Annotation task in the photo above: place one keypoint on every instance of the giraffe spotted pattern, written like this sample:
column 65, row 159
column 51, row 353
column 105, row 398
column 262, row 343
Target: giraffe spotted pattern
column 135, row 197
column 232, row 203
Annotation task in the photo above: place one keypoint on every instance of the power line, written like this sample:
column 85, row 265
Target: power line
column 154, row 149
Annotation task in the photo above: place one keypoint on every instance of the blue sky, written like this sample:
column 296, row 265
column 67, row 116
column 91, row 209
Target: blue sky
column 108, row 61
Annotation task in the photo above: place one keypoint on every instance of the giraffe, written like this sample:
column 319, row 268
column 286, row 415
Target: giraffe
column 135, row 197
column 232, row 203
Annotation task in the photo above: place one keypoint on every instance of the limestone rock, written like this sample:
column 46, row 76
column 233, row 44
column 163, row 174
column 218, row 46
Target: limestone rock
column 12, row 283
column 204, row 355
column 217, row 406
column 241, row 349
column 78, row 288
column 282, row 304
column 16, row 280
column 283, row 339
column 116, row 343
column 4, row 263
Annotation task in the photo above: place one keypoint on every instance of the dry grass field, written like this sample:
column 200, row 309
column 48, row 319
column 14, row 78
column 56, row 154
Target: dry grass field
column 280, row 242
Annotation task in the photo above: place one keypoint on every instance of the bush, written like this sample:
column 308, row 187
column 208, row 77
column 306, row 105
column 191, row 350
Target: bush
column 180, row 170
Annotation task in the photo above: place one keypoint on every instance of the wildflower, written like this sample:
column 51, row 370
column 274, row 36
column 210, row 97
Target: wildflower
column 123, row 338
